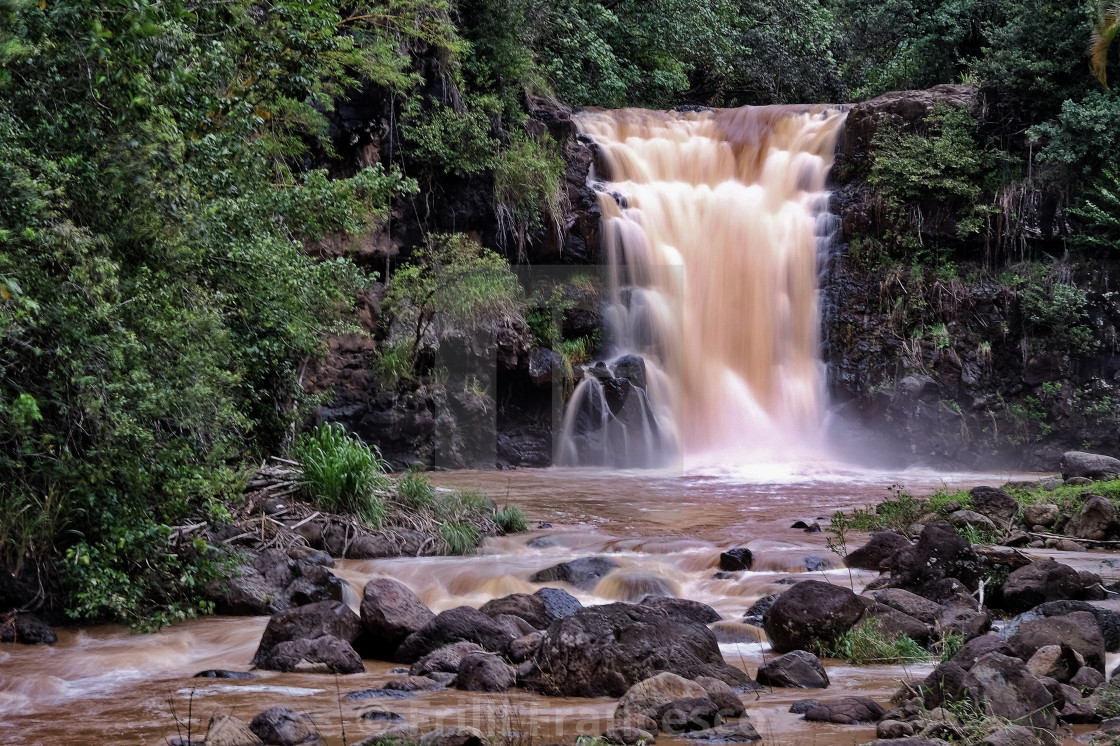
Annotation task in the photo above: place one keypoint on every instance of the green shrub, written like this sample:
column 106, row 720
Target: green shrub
column 1056, row 315
column 528, row 186
column 511, row 520
column 866, row 644
column 341, row 473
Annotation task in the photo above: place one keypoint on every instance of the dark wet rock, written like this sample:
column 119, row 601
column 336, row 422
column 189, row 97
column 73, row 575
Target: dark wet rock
column 515, row 625
column 1007, row 689
column 801, row 706
column 1086, row 679
column 1077, row 709
column 416, row 684
column 643, row 700
column 940, row 553
column 382, row 716
column 390, row 612
column 799, row 524
column 1011, row 735
column 962, row 519
column 909, row 603
column 739, row 558
column 446, row 659
column 880, row 548
column 1077, row 630
column 1044, row 514
column 543, row 542
column 757, row 611
column 811, row 613
column 959, row 614
column 1057, row 662
column 221, row 673
column 308, row 623
column 816, row 563
column 1089, row 466
column 626, row 736
column 558, row 603
column 944, row 589
column 1097, row 520
column 978, row 647
column 723, row 695
column 362, row 694
column 686, row 715
column 740, row 731
column 463, row 623
column 1107, row 619
column 845, row 711
column 325, row 654
column 545, row 366
column 944, row 684
column 604, row 650
column 893, row 623
column 1038, row 583
column 527, row 607
column 584, row 573
column 797, row 669
column 283, row 726
column 683, row 609
column 994, row 504
column 455, row 736
column 813, row 528
column 26, row 629
column 484, row 672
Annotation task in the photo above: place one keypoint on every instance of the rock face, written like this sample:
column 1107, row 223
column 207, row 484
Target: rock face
column 455, row 625
column 798, row 669
column 308, row 623
column 940, row 553
column 1089, row 466
column 390, row 612
column 808, row 612
column 283, row 726
column 878, row 550
column 1005, row 686
column 603, row 650
column 1038, row 583
column 584, row 573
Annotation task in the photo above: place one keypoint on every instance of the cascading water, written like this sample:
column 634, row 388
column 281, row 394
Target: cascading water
column 714, row 222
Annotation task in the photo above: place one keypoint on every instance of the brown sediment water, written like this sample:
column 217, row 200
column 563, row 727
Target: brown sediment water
column 104, row 685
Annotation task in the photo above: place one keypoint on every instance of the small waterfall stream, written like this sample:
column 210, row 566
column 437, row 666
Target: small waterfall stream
column 714, row 225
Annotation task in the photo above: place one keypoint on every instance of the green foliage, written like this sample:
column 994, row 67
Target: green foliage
column 416, row 490
column 455, row 142
column 1057, row 316
column 866, row 644
column 340, row 472
column 949, row 645
column 528, row 185
column 459, row 538
column 897, row 513
column 511, row 520
column 1085, row 135
column 1099, row 208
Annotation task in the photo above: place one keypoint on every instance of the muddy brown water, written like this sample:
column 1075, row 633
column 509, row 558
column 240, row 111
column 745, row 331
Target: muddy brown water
column 104, row 685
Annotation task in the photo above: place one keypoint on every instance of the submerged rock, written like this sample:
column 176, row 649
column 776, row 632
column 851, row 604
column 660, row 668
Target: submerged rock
column 584, row 573
column 739, row 558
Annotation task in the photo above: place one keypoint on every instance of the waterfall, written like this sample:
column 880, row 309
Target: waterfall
column 715, row 223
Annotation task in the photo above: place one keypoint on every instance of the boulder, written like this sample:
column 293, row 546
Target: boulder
column 998, row 506
column 221, row 673
column 1097, row 520
column 730, row 704
column 308, row 623
column 527, row 607
column 962, row 519
column 584, row 573
column 877, row 551
column 683, row 609
column 463, row 623
column 944, row 684
column 26, row 629
column 558, row 603
column 1089, row 466
column 1043, row 514
column 325, row 654
column 1011, row 735
column 1086, row 679
column 417, row 683
column 959, row 614
column 1077, row 631
column 687, row 714
column 738, row 732
column 797, row 669
column 1054, row 661
column 845, row 711
column 525, row 647
column 390, row 612
column 226, row 730
column 940, row 553
column 1007, row 689
column 455, row 736
column 978, row 647
column 893, row 728
column 484, row 672
column 604, row 650
column 394, row 736
column 918, row 741
column 445, row 659
column 283, row 726
column 1038, row 583
column 909, row 603
column 811, row 613
column 758, row 609
column 515, row 625
column 647, row 697
column 893, row 623
column 739, row 558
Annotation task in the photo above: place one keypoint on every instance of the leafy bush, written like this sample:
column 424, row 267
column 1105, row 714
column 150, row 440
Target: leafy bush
column 1056, row 315
column 456, row 142
column 341, row 473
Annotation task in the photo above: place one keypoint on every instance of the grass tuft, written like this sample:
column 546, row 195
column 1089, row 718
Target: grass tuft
column 341, row 473
column 866, row 644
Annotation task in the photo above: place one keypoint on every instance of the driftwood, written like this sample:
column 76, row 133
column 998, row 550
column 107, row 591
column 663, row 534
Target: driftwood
column 1071, row 538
